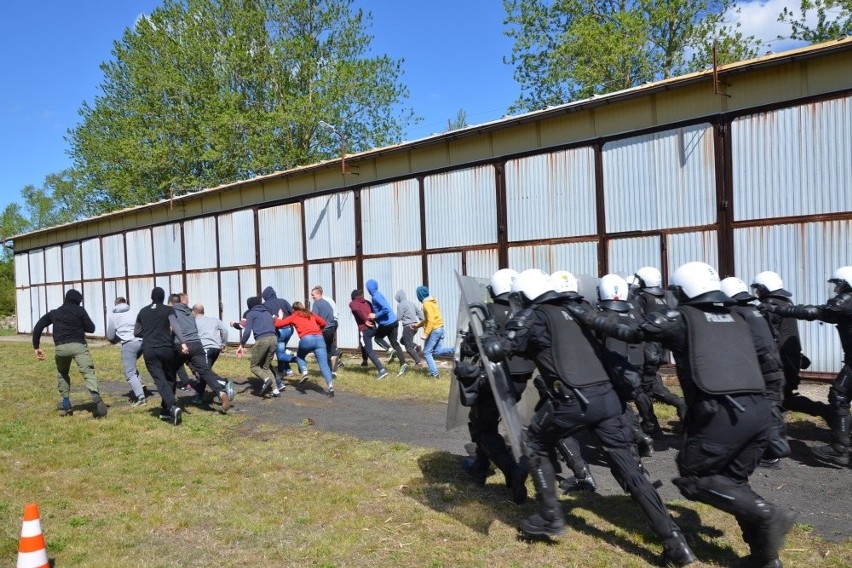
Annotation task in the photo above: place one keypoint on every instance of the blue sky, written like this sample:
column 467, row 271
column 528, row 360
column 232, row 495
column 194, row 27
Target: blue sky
column 52, row 50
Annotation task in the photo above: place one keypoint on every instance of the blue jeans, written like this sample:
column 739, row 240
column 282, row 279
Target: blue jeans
column 284, row 360
column 314, row 344
column 433, row 347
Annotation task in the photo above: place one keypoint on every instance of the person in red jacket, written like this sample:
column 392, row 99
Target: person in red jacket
column 309, row 326
column 362, row 311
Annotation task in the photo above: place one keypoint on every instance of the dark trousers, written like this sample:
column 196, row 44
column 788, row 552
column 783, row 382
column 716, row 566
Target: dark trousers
column 160, row 362
column 554, row 421
column 390, row 332
column 197, row 361
column 367, row 351
column 408, row 342
column 329, row 334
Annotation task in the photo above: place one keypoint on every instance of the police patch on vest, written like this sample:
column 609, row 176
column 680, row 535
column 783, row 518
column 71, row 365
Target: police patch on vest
column 719, row 318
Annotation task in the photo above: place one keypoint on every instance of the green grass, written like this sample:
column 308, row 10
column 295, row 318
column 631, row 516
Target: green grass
column 130, row 490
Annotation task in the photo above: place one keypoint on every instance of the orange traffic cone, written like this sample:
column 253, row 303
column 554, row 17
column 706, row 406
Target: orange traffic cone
column 31, row 549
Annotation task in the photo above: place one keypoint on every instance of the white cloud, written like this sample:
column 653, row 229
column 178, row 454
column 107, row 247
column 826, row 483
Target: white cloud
column 760, row 19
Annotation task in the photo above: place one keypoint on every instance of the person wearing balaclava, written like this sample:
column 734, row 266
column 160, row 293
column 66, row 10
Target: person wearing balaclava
column 70, row 324
column 433, row 330
column 152, row 325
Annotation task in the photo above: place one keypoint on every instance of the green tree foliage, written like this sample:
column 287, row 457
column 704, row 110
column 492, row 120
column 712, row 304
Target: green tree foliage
column 204, row 92
column 833, row 20
column 569, row 49
column 459, row 122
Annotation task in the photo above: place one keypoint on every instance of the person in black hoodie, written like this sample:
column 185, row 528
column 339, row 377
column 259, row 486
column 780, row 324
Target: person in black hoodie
column 259, row 321
column 70, row 324
column 152, row 325
column 280, row 308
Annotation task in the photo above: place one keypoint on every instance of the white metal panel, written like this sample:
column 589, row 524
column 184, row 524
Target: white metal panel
column 626, row 256
column 481, row 263
column 236, row 238
column 140, row 258
column 793, row 161
column 577, row 258
column 54, row 296
column 168, row 248
column 38, row 297
column 113, row 256
column 288, row 283
column 551, row 195
column 139, row 291
column 23, row 310
column 72, row 268
column 280, row 231
column 320, row 275
column 804, row 255
column 461, row 208
column 345, row 280
column 444, row 286
column 200, row 238
column 203, row 288
column 22, row 270
column 93, row 301
column 118, row 288
column 393, row 274
column 390, row 217
column 233, row 303
column 330, row 225
column 36, row 261
column 164, row 282
column 53, row 264
column 91, row 259
column 702, row 246
column 661, row 180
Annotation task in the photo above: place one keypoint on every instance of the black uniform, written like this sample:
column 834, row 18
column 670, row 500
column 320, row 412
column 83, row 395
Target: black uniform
column 152, row 325
column 838, row 310
column 728, row 414
column 790, row 350
column 654, row 355
column 582, row 397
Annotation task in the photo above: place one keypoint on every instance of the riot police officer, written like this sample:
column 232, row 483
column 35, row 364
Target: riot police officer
column 650, row 298
column 770, row 365
column 581, row 397
column 728, row 413
column 484, row 417
column 838, row 310
column 769, row 288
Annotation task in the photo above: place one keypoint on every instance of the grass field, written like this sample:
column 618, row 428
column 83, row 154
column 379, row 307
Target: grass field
column 129, row 490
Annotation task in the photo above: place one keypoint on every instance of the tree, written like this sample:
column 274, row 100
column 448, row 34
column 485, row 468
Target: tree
column 833, row 20
column 204, row 92
column 569, row 49
column 459, row 122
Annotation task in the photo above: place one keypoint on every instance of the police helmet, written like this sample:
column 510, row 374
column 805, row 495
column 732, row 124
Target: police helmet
column 842, row 279
column 768, row 282
column 650, row 279
column 612, row 292
column 736, row 289
column 564, row 282
column 501, row 282
column 698, row 282
column 532, row 285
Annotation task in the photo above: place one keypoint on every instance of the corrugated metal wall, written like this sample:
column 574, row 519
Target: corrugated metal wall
column 794, row 161
column 71, row 262
column 203, row 288
column 168, row 248
column 551, row 195
column 280, row 232
column 628, row 255
column 24, row 309
column 22, row 270
column 53, row 264
column 113, row 257
column 577, row 258
column 200, row 238
column 481, row 263
column 688, row 247
column 660, row 181
column 140, row 252
column 36, row 260
column 236, row 238
column 444, row 286
column 345, row 280
column 93, row 301
column 461, row 208
column 91, row 259
column 330, row 225
column 390, row 217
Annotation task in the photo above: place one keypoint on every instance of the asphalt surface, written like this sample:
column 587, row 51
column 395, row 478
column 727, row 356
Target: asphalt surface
column 819, row 493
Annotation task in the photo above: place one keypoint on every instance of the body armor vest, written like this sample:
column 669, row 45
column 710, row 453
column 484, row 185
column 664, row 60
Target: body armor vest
column 761, row 330
column 517, row 364
column 722, row 356
column 652, row 303
column 572, row 351
column 633, row 352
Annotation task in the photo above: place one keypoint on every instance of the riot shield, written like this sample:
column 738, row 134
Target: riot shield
column 475, row 297
column 457, row 414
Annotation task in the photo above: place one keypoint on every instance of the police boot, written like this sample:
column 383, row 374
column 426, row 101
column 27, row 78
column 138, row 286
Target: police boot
column 100, row 408
column 770, row 534
column 64, row 407
column 545, row 523
column 676, row 551
column 549, row 520
column 581, row 481
column 645, row 446
column 837, row 452
column 832, row 453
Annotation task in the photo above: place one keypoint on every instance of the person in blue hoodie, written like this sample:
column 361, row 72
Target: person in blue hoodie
column 386, row 323
column 259, row 322
column 280, row 308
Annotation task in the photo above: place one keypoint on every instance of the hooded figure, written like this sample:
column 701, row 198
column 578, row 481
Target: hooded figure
column 407, row 311
column 381, row 307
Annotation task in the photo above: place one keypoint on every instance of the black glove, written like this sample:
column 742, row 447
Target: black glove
column 493, row 347
column 767, row 308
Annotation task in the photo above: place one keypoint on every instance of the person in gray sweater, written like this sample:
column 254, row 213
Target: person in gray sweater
column 408, row 313
column 120, row 326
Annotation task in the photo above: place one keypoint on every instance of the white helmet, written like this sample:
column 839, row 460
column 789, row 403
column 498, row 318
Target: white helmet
column 501, row 282
column 613, row 292
column 564, row 282
column 650, row 279
column 532, row 284
column 842, row 278
column 735, row 288
column 695, row 279
column 769, row 280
